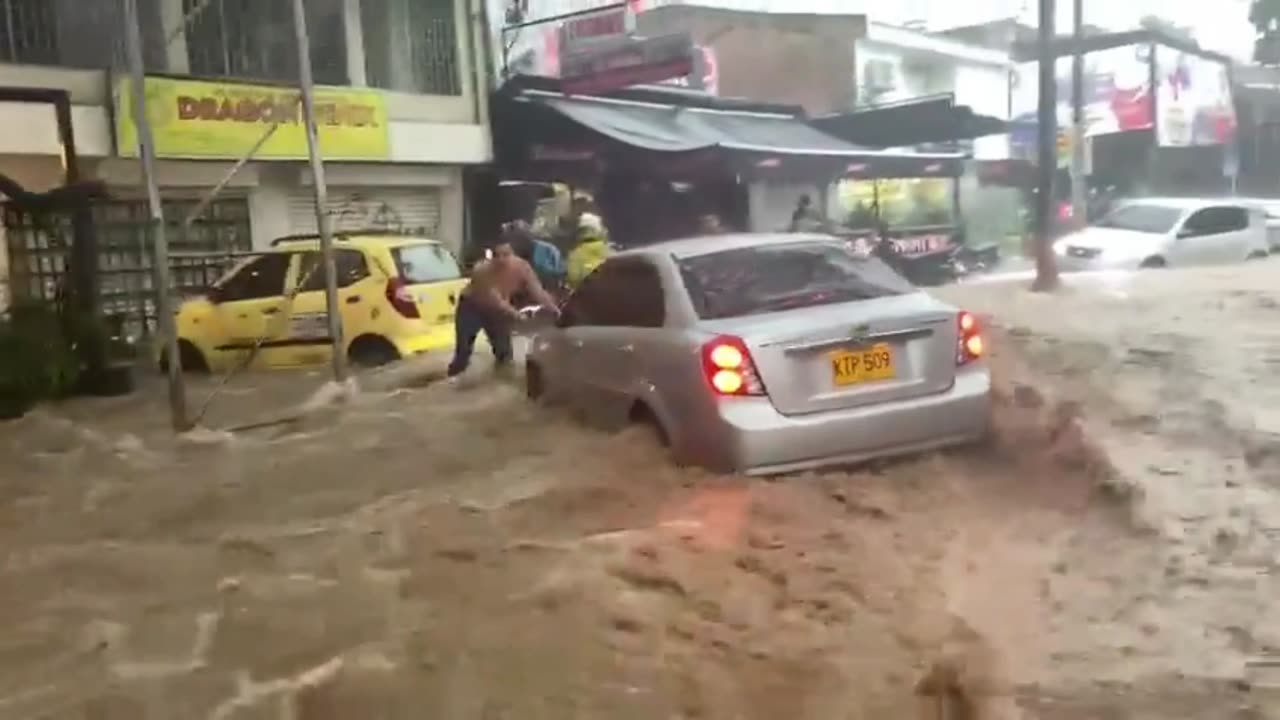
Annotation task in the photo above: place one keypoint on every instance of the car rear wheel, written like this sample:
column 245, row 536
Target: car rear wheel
column 1153, row 263
column 369, row 351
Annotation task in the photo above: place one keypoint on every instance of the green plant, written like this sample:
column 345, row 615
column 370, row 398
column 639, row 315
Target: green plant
column 862, row 218
column 36, row 360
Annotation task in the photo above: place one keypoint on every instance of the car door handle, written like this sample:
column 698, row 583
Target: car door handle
column 353, row 299
column 628, row 348
column 269, row 311
column 576, row 343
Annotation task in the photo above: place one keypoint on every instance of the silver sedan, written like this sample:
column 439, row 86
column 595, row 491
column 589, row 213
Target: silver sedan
column 765, row 354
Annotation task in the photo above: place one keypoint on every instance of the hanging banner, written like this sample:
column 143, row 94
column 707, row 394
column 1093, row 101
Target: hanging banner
column 198, row 119
column 1194, row 103
column 1117, row 94
column 705, row 75
column 633, row 61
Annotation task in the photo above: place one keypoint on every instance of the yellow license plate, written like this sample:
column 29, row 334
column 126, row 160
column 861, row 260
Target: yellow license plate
column 854, row 367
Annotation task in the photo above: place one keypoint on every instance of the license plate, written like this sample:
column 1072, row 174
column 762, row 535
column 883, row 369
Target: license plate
column 854, row 367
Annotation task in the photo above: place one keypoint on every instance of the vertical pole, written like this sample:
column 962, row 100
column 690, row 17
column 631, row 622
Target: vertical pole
column 1079, row 177
column 84, row 246
column 307, row 86
column 1047, row 150
column 146, row 151
column 1046, row 132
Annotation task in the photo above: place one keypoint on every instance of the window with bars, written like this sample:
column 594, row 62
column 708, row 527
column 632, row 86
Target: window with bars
column 411, row 46
column 85, row 34
column 254, row 39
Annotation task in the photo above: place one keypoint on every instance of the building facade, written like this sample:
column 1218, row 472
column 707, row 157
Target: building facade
column 897, row 63
column 402, row 106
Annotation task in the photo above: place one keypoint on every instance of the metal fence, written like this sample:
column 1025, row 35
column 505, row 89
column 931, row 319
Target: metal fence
column 40, row 249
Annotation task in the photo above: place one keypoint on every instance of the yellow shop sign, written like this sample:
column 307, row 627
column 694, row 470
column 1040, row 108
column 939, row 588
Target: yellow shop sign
column 195, row 119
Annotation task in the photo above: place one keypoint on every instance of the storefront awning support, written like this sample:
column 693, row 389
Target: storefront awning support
column 160, row 244
column 307, row 86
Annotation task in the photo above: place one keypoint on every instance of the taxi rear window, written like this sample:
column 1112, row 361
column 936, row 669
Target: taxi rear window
column 425, row 263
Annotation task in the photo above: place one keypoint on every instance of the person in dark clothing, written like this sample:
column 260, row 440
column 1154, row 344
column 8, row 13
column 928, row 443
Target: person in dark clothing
column 803, row 212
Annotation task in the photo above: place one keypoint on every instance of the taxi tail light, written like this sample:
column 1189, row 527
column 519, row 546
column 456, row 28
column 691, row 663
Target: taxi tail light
column 728, row 368
column 401, row 299
column 969, row 343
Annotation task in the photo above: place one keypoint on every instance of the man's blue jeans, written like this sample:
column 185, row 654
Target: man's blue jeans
column 470, row 319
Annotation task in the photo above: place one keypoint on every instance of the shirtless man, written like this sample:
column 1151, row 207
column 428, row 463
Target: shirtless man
column 486, row 305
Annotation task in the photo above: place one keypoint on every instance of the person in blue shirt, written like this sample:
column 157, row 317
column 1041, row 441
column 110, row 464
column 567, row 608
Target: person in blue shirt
column 547, row 261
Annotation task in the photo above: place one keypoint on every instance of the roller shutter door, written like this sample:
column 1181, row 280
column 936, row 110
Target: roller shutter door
column 415, row 210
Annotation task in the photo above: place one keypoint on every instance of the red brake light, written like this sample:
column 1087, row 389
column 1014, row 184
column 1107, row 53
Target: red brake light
column 727, row 365
column 401, row 299
column 969, row 345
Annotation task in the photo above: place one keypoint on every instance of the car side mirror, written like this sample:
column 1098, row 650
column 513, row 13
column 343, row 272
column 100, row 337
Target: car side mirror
column 1185, row 233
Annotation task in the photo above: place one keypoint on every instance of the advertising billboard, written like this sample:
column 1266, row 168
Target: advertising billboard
column 1194, row 101
column 206, row 119
column 536, row 49
column 1117, row 91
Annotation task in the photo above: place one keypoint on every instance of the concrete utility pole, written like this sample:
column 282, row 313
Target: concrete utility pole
column 160, row 242
column 307, row 86
column 1079, row 173
column 1047, row 151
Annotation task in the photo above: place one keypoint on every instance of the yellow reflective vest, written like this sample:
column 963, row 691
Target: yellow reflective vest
column 585, row 258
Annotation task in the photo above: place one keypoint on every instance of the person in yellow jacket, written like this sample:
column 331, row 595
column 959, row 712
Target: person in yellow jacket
column 592, row 249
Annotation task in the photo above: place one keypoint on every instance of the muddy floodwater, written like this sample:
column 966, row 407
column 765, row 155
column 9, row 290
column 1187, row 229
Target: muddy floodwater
column 453, row 552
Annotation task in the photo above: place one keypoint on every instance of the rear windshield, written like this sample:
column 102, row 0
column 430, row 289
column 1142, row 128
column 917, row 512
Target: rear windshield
column 1142, row 218
column 772, row 278
column 426, row 263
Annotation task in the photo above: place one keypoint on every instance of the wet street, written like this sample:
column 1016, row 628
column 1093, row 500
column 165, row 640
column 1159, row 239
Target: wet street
column 452, row 552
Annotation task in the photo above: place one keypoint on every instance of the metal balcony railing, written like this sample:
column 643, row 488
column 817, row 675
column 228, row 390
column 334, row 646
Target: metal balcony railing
column 76, row 33
column 411, row 46
column 255, row 39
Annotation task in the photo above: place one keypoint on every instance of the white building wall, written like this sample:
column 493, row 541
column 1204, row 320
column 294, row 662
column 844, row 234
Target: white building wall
column 925, row 65
column 986, row 90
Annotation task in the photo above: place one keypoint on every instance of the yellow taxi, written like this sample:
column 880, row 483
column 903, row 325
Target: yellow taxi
column 397, row 296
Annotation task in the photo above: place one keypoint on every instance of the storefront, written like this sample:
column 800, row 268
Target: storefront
column 203, row 128
column 656, row 159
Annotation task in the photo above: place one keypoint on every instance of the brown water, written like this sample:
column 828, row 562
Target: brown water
column 453, row 552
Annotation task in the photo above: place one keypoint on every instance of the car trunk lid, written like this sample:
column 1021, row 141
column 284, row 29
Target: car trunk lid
column 851, row 354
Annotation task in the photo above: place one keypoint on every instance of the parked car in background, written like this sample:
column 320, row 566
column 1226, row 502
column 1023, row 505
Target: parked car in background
column 397, row 295
column 1167, row 232
column 765, row 354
